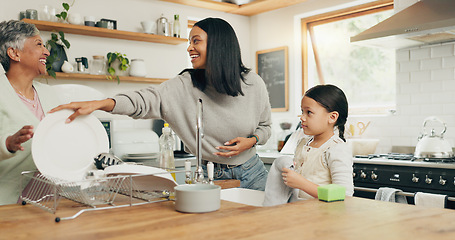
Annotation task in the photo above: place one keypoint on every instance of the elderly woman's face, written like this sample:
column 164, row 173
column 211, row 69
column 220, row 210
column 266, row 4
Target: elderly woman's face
column 198, row 47
column 33, row 55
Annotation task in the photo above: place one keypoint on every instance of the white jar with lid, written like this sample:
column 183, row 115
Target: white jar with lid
column 98, row 65
column 137, row 68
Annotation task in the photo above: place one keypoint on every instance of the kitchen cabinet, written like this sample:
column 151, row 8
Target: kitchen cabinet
column 105, row 33
column 312, row 219
column 248, row 9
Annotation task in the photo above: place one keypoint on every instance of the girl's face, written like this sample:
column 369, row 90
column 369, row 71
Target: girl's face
column 198, row 47
column 33, row 55
column 315, row 119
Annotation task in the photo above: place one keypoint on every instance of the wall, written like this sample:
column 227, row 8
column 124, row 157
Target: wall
column 162, row 60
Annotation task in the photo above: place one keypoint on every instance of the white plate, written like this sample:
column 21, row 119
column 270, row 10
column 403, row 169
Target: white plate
column 153, row 179
column 66, row 151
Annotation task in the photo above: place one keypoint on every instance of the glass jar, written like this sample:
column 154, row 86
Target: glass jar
column 98, row 65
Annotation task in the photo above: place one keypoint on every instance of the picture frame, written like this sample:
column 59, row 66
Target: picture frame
column 272, row 67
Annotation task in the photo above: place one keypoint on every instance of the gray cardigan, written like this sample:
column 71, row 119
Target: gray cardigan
column 225, row 117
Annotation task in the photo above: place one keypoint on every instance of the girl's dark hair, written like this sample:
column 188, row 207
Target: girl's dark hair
column 224, row 67
column 333, row 99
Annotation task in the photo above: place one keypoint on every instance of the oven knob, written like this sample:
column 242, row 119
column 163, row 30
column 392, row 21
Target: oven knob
column 354, row 175
column 415, row 179
column 442, row 181
column 428, row 180
column 374, row 176
column 363, row 174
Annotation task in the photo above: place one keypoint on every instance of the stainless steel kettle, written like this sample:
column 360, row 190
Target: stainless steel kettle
column 162, row 26
column 431, row 145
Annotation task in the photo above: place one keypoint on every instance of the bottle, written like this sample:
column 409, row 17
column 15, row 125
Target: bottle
column 176, row 26
column 167, row 150
column 188, row 179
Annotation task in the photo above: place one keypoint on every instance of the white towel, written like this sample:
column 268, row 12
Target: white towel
column 276, row 192
column 390, row 195
column 430, row 200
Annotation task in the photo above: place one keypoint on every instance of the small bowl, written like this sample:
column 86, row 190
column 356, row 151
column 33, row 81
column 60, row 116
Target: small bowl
column 197, row 198
column 362, row 146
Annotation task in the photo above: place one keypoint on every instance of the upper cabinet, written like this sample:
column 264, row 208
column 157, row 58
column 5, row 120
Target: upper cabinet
column 104, row 32
column 248, row 9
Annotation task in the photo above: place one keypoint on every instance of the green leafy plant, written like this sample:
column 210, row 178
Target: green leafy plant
column 64, row 14
column 124, row 64
column 56, row 41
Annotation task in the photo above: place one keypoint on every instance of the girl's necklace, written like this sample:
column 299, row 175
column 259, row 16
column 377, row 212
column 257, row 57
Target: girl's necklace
column 33, row 102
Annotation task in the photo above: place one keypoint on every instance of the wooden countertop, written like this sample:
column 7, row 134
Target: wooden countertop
column 312, row 219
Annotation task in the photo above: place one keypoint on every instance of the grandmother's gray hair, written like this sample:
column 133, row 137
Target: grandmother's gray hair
column 13, row 34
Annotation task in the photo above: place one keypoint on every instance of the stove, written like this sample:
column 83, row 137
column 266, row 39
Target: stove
column 404, row 172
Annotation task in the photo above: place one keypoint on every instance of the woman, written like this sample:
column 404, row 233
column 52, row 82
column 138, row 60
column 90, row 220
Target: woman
column 23, row 102
column 236, row 105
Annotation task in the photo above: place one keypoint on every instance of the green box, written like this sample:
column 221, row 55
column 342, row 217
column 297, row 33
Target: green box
column 331, row 193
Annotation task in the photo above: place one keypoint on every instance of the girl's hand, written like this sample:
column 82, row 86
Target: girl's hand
column 291, row 178
column 14, row 142
column 86, row 108
column 235, row 146
column 294, row 180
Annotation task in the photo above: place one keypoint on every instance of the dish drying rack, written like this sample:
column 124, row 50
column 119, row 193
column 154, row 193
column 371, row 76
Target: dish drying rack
column 46, row 192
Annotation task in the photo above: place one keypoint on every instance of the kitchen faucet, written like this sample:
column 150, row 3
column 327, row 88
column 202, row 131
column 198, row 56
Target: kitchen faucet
column 199, row 173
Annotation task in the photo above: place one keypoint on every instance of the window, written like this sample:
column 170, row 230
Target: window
column 366, row 74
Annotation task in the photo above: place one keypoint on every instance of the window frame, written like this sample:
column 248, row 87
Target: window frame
column 351, row 12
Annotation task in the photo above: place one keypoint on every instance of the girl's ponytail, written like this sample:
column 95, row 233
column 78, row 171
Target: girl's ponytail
column 341, row 131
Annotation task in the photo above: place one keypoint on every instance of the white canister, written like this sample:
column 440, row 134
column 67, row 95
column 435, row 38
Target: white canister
column 137, row 68
column 76, row 19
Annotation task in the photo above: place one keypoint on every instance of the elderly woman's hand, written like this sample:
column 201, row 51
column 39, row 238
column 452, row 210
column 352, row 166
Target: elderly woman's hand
column 85, row 108
column 14, row 142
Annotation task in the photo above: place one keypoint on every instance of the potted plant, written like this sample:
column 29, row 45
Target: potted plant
column 116, row 61
column 56, row 46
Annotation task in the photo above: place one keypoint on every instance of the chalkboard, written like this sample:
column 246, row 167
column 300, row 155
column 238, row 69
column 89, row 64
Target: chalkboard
column 272, row 66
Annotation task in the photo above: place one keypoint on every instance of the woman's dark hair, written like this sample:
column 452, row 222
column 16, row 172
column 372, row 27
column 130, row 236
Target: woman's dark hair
column 224, row 67
column 333, row 99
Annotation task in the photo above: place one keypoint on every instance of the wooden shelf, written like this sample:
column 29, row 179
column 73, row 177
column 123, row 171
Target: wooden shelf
column 104, row 32
column 249, row 9
column 89, row 77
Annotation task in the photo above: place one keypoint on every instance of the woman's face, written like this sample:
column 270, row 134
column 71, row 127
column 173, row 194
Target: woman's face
column 33, row 55
column 198, row 47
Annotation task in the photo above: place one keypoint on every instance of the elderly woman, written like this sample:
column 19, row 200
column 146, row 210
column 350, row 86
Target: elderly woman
column 23, row 102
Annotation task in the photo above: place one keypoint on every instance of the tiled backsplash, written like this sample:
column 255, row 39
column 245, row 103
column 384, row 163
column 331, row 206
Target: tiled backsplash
column 425, row 87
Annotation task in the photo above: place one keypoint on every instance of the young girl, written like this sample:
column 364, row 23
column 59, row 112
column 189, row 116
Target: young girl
column 323, row 159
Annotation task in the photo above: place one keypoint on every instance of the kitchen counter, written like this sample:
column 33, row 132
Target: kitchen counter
column 312, row 219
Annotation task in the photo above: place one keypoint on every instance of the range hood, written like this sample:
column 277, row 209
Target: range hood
column 425, row 22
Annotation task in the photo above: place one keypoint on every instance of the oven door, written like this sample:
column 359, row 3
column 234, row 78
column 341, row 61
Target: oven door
column 369, row 178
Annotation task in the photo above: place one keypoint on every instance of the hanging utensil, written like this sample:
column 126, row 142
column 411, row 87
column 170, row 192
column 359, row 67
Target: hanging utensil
column 362, row 127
